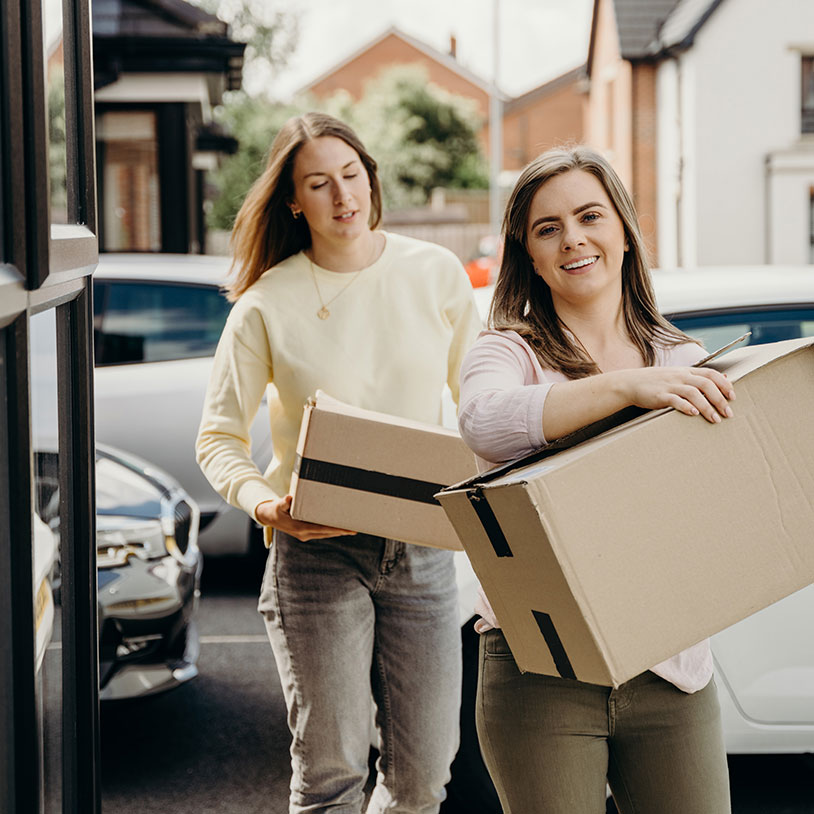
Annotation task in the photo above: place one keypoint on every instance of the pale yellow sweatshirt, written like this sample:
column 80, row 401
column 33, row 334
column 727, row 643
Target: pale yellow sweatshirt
column 395, row 336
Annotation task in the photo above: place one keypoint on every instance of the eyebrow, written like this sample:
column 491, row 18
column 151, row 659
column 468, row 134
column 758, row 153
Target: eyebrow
column 549, row 218
column 352, row 161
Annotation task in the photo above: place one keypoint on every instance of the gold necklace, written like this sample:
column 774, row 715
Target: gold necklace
column 323, row 312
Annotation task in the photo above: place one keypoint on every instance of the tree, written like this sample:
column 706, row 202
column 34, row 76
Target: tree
column 254, row 122
column 269, row 29
column 422, row 136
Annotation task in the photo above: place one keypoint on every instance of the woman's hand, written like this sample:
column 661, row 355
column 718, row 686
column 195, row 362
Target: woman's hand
column 690, row 390
column 277, row 515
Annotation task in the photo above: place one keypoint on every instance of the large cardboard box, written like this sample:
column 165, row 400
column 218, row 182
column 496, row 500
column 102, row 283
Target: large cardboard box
column 375, row 473
column 603, row 559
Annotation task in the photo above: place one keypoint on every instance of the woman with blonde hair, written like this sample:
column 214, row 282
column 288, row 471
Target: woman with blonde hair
column 576, row 336
column 326, row 300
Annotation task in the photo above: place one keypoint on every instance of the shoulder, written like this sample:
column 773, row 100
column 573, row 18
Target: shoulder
column 272, row 290
column 506, row 345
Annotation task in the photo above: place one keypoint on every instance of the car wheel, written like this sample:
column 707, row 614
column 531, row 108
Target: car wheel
column 471, row 790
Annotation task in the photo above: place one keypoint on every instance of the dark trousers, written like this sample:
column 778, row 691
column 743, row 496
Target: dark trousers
column 551, row 744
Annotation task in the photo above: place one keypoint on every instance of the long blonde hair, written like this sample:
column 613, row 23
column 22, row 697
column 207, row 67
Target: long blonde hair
column 265, row 231
column 522, row 300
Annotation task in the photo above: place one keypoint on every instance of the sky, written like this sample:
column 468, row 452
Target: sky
column 539, row 39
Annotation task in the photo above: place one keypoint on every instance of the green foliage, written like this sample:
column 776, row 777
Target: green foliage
column 270, row 33
column 254, row 122
column 421, row 137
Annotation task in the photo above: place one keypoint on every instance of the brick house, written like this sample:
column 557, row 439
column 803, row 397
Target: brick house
column 622, row 102
column 549, row 114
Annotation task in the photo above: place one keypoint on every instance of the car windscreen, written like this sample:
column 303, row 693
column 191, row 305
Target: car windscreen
column 156, row 322
column 717, row 328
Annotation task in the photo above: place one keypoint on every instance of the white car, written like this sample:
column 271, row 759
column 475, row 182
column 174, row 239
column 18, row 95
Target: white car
column 764, row 667
column 157, row 321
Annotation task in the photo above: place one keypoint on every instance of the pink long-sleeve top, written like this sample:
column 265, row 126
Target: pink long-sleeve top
column 503, row 392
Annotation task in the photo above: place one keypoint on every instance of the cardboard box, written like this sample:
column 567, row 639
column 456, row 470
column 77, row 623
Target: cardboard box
column 603, row 559
column 375, row 473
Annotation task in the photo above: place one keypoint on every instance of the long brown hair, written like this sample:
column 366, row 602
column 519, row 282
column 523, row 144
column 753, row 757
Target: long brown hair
column 522, row 300
column 265, row 231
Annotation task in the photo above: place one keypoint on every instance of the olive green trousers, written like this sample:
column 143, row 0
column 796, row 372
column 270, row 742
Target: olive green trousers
column 551, row 744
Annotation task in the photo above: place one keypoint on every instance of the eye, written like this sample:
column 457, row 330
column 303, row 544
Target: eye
column 351, row 175
column 590, row 217
column 546, row 230
column 319, row 186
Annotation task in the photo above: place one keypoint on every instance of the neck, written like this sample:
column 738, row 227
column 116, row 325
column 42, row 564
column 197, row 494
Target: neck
column 601, row 332
column 352, row 256
column 601, row 321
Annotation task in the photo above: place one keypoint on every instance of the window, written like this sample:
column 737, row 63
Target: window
column 156, row 322
column 808, row 95
column 718, row 329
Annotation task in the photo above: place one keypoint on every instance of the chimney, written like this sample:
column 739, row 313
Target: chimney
column 453, row 46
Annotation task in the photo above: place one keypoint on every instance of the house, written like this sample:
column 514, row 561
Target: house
column 622, row 100
column 549, row 114
column 394, row 47
column 736, row 132
column 160, row 66
column 706, row 109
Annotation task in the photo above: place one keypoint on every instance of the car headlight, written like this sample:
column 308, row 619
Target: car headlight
column 119, row 538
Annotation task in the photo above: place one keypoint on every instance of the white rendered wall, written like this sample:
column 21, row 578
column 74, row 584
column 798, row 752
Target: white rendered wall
column 741, row 102
column 668, row 162
column 677, row 161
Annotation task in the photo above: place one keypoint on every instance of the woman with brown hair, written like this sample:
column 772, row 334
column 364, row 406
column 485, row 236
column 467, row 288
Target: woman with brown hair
column 576, row 336
column 326, row 300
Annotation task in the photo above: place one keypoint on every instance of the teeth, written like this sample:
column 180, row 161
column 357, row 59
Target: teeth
column 580, row 263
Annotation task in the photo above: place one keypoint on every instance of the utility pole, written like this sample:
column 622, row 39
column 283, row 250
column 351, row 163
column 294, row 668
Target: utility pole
column 495, row 128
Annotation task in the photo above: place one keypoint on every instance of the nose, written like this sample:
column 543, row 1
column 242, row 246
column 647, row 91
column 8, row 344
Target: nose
column 341, row 194
column 572, row 235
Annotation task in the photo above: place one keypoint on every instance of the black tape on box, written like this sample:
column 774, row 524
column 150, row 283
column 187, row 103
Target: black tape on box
column 555, row 646
column 367, row 480
column 489, row 522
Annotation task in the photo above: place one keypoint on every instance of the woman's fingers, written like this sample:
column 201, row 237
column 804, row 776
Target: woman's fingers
column 277, row 514
column 693, row 391
column 699, row 391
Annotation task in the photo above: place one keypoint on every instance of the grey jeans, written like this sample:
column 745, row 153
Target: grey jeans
column 357, row 619
column 551, row 743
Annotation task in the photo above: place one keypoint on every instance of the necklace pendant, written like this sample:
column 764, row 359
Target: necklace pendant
column 323, row 313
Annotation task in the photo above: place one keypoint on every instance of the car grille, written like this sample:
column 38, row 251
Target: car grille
column 183, row 525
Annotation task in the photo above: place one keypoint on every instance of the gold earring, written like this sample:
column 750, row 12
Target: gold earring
column 296, row 214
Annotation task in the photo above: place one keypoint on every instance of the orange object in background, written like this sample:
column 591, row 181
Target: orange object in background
column 482, row 270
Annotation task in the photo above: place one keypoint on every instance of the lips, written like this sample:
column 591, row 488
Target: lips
column 345, row 217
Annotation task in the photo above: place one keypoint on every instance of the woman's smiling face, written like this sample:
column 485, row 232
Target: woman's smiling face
column 576, row 239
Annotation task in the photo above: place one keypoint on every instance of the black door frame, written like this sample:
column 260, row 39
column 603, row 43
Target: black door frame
column 47, row 266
